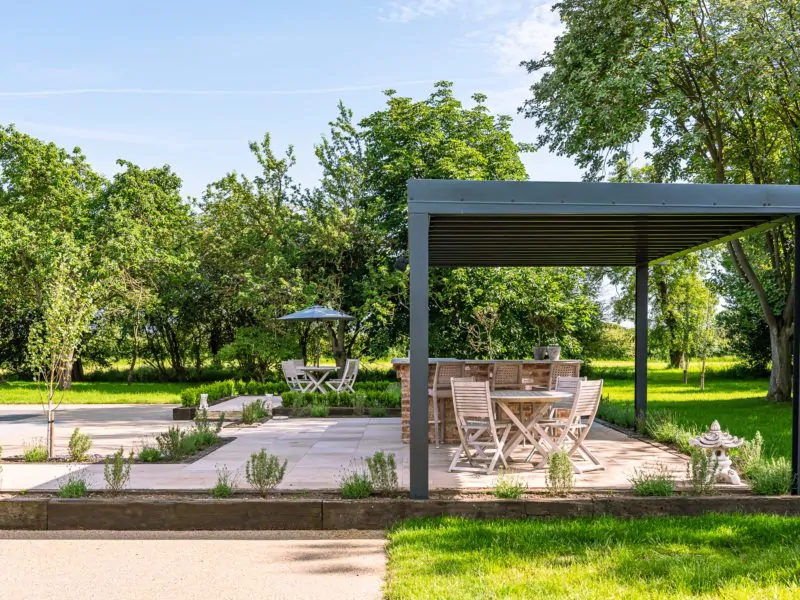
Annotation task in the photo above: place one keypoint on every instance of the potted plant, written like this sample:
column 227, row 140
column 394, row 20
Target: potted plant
column 553, row 350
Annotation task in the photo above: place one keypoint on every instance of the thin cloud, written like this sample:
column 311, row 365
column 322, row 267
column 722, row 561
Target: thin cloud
column 223, row 92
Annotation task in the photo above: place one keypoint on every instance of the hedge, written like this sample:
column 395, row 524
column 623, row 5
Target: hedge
column 388, row 397
column 230, row 387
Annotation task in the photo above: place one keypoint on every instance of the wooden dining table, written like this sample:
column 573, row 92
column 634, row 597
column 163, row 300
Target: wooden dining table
column 317, row 376
column 540, row 401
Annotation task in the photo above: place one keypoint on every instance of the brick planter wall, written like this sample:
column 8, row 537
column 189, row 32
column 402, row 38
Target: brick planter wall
column 534, row 373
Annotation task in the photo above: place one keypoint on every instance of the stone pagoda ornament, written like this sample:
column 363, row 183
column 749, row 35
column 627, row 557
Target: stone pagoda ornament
column 717, row 443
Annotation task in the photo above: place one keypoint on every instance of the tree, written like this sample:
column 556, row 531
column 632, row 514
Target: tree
column 674, row 70
column 67, row 310
column 708, row 339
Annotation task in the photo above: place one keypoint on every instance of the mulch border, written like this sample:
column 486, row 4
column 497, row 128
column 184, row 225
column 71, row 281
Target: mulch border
column 126, row 514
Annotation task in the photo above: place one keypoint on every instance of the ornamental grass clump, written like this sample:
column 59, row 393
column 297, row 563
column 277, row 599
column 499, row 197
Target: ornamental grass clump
column 509, row 485
column 355, row 482
column 254, row 412
column 73, row 486
column 559, row 478
column 79, row 445
column 117, row 471
column 319, row 411
column 264, row 471
column 654, row 481
column 749, row 455
column 382, row 468
column 771, row 477
column 226, row 484
column 149, row 454
column 36, row 452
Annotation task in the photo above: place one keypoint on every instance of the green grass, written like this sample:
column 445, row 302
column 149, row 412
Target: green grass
column 738, row 404
column 26, row 392
column 716, row 556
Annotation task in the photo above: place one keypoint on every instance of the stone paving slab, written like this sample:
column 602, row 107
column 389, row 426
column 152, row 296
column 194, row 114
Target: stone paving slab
column 317, row 450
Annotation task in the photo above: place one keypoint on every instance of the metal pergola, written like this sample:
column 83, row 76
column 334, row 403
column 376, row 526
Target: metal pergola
column 527, row 223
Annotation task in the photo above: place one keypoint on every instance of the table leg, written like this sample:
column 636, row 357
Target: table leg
column 526, row 430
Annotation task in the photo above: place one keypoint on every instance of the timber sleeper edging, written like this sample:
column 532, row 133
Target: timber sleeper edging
column 128, row 514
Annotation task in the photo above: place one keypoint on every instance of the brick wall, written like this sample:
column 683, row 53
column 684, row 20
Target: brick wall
column 535, row 374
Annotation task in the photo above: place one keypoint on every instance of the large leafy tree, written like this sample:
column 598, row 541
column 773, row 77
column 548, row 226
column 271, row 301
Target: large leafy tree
column 713, row 82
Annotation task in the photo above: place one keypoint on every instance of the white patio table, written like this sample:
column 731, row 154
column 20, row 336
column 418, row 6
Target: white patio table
column 317, row 376
column 540, row 400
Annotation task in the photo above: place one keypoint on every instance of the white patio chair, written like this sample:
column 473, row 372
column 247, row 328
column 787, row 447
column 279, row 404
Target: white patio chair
column 570, row 432
column 295, row 379
column 477, row 427
column 348, row 378
column 439, row 391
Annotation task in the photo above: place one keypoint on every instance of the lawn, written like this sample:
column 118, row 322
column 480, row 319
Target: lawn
column 26, row 392
column 718, row 556
column 738, row 403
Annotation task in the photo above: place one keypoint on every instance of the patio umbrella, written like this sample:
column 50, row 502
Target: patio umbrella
column 316, row 313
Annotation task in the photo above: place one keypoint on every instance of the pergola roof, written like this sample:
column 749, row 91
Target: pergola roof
column 520, row 223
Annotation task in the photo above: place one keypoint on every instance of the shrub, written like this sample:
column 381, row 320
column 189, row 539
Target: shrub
column 383, row 471
column 771, row 477
column 226, row 484
column 79, row 445
column 377, row 412
column 319, row 410
column 508, row 485
column 224, row 389
column 203, row 424
column 149, row 454
column 749, row 455
column 117, row 471
column 657, row 481
column 618, row 414
column 386, row 396
column 254, row 412
column 73, row 486
column 34, row 453
column 264, row 471
column 355, row 482
column 172, row 443
column 559, row 475
column 359, row 404
column 701, row 472
column 661, row 426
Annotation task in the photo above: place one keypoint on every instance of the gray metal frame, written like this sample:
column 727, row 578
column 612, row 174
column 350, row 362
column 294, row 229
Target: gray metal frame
column 474, row 223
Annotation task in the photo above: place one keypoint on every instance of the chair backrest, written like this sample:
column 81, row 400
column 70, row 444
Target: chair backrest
column 350, row 370
column 289, row 369
column 445, row 371
column 563, row 369
column 506, row 374
column 471, row 399
column 587, row 400
column 299, row 362
column 569, row 385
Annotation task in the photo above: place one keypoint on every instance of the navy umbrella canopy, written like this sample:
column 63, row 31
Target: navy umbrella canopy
column 316, row 313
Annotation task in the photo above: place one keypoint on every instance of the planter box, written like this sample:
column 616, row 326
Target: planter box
column 184, row 413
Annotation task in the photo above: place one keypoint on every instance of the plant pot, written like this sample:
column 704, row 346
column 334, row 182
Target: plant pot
column 554, row 352
column 538, row 353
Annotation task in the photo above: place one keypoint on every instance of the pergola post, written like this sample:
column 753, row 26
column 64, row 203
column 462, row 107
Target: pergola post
column 418, row 224
column 640, row 330
column 796, row 361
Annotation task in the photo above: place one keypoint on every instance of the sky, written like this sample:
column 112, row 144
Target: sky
column 191, row 83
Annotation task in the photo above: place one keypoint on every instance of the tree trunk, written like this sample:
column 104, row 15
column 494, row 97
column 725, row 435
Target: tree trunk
column 675, row 358
column 686, row 375
column 132, row 367
column 780, row 379
column 337, row 343
column 77, row 369
column 51, row 430
column 65, row 376
column 703, row 374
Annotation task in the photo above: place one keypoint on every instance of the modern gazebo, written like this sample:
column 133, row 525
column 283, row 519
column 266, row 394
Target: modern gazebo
column 526, row 223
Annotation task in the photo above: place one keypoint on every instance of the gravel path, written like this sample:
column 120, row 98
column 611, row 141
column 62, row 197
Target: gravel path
column 85, row 565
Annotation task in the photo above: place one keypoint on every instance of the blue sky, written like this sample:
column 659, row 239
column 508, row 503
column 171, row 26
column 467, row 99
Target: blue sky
column 190, row 83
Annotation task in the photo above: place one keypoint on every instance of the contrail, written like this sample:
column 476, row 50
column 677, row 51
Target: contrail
column 213, row 92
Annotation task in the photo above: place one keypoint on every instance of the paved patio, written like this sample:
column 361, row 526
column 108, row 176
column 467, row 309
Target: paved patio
column 317, row 451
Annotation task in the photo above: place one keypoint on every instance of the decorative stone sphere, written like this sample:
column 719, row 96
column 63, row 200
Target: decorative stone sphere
column 717, row 443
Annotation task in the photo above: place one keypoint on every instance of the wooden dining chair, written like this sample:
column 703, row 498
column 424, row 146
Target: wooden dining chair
column 570, row 432
column 507, row 376
column 440, row 391
column 295, row 379
column 563, row 369
column 478, row 430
